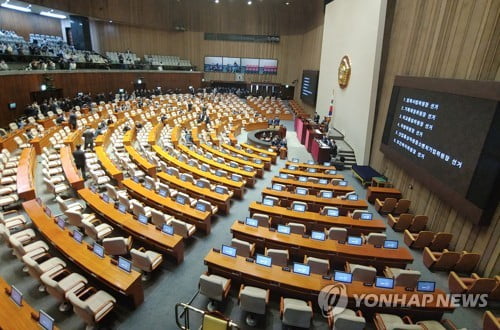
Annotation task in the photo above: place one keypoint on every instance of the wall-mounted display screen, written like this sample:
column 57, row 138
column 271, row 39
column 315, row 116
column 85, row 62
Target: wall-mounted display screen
column 213, row 64
column 250, row 65
column 240, row 65
column 231, row 64
column 309, row 87
column 268, row 66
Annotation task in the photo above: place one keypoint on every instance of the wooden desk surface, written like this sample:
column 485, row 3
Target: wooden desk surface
column 246, row 154
column 7, row 141
column 306, row 166
column 319, row 175
column 314, row 220
column 153, row 134
column 308, row 287
column 70, row 171
column 337, row 190
column 108, row 165
column 172, row 245
column 360, row 204
column 129, row 284
column 43, row 141
column 142, row 162
column 249, row 176
column 25, row 174
column 201, row 220
column 234, row 185
column 381, row 192
column 337, row 253
column 221, row 200
column 229, row 157
column 12, row 316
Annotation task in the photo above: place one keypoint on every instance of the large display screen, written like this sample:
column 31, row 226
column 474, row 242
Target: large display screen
column 213, row 64
column 309, row 87
column 446, row 133
column 250, row 65
column 268, row 66
column 240, row 65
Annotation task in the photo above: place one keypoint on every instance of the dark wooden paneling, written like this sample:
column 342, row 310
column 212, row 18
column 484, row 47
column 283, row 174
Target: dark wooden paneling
column 17, row 87
column 25, row 23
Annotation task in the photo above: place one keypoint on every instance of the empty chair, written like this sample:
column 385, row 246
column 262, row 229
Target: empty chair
column 385, row 206
column 243, row 248
column 296, row 313
column 209, row 207
column 337, row 233
column 441, row 241
column 297, row 228
column 215, row 288
column 278, row 257
column 191, row 201
column 182, row 228
column 69, row 204
column 113, row 192
column 419, row 240
column 59, row 283
column 376, row 239
column 205, row 183
column 19, row 249
column 159, row 219
column 471, row 285
column 117, row 246
column 467, row 262
column 390, row 321
column 173, row 171
column 37, row 264
column 276, row 200
column 490, row 321
column 356, row 214
column 445, row 260
column 365, row 274
column 225, row 190
column 145, row 260
column 301, row 204
column 418, row 224
column 91, row 305
column 187, row 177
column 99, row 177
column 138, row 208
column 402, row 206
column 56, row 189
column 12, row 219
column 400, row 223
column 169, row 192
column 24, row 236
column 254, row 301
column 347, row 319
column 96, row 230
column 263, row 219
column 75, row 217
column 318, row 266
column 403, row 277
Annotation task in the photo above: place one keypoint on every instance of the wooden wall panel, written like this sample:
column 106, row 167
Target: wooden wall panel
column 25, row 23
column 445, row 39
column 17, row 87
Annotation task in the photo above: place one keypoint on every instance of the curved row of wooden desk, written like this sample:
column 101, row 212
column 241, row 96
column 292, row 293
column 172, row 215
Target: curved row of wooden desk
column 127, row 284
column 305, row 166
column 69, row 168
column 222, row 201
column 248, row 176
column 316, row 221
column 271, row 154
column 337, row 253
column 25, row 178
column 314, row 202
column 313, row 187
column 235, row 186
column 319, row 175
column 265, row 160
column 202, row 220
column 148, row 234
column 292, row 285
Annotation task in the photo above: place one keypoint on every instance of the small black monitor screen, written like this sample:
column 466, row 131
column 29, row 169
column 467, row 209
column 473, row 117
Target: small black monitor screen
column 147, row 185
column 292, row 167
column 181, row 200
column 342, row 183
column 366, row 216
column 268, row 202
column 136, row 179
column 219, row 190
column 284, row 229
column 45, row 321
column 352, row 197
column 299, row 207
column 354, row 240
column 332, row 212
column 283, row 175
column 229, row 251
column 277, row 187
column 384, row 282
column 201, row 207
column 263, row 260
column 122, row 208
column 60, row 222
column 12, row 106
column 301, row 191
column 327, row 164
column 124, row 264
column 301, row 269
column 323, row 181
column 327, row 194
column 162, row 193
column 302, row 179
column 169, row 230
column 235, row 177
column 343, row 277
column 318, row 235
column 105, row 198
column 200, row 184
column 143, row 219
column 426, row 286
column 309, row 87
column 16, row 295
column 252, row 222
column 77, row 236
column 98, row 250
column 295, row 160
column 310, row 162
column 390, row 244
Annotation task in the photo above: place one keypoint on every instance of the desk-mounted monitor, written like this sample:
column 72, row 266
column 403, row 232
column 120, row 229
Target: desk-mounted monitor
column 426, row 286
column 124, row 264
column 301, row 191
column 366, row 216
column 167, row 229
column 263, row 260
column 251, row 222
column 228, row 251
column 301, row 269
column 16, row 296
column 354, row 240
column 45, row 321
column 98, row 250
column 391, row 244
column 326, row 194
column 299, row 208
column 332, row 212
column 318, row 235
column 284, row 229
column 343, row 277
column 384, row 282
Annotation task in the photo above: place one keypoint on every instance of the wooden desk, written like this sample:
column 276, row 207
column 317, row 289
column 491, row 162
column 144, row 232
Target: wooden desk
column 314, row 202
column 142, row 162
column 171, row 245
column 314, row 188
column 338, row 254
column 319, row 175
column 44, row 141
column 382, row 193
column 7, row 141
column 221, row 201
column 70, row 171
column 266, row 160
column 236, row 187
column 128, row 137
column 127, row 284
column 289, row 284
column 153, row 134
column 316, row 221
column 202, row 220
column 47, row 122
column 175, row 136
column 12, row 316
column 255, row 126
column 305, row 166
column 108, row 165
column 259, row 168
column 271, row 154
column 25, row 174
column 248, row 176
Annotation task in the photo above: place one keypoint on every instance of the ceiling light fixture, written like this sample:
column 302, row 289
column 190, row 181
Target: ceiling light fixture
column 51, row 14
column 216, row 1
column 288, row 3
column 249, row 2
column 11, row 6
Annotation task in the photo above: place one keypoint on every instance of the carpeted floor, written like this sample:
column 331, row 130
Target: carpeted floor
column 178, row 283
